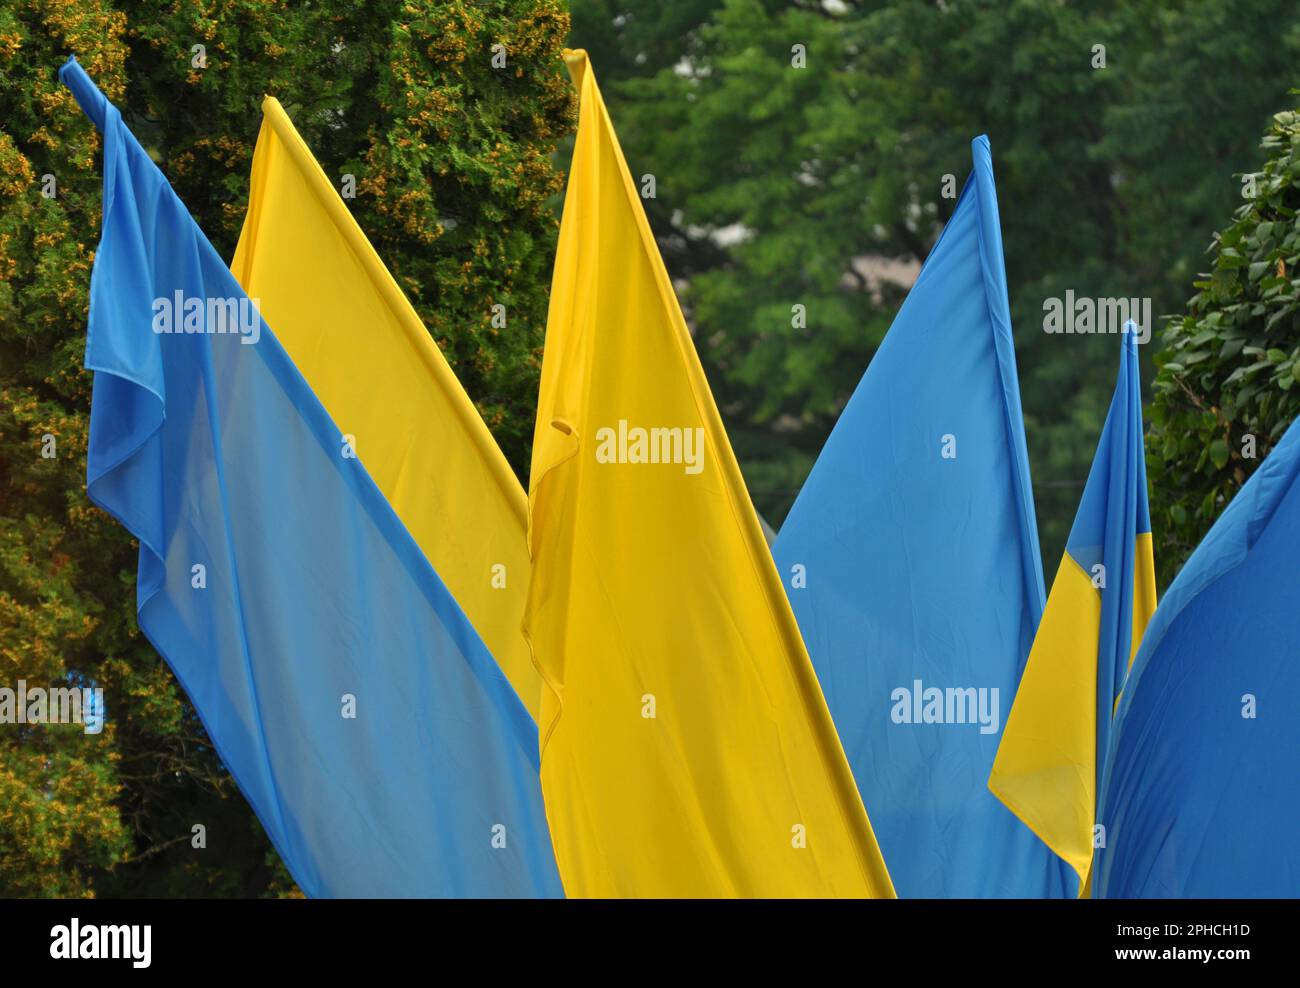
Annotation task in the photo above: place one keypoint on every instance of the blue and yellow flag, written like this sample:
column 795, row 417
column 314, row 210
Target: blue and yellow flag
column 911, row 559
column 355, row 337
column 361, row 715
column 1199, row 798
column 687, row 750
column 1054, row 746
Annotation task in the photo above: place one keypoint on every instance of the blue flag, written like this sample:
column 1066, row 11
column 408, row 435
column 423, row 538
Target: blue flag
column 1200, row 798
column 911, row 560
column 362, row 717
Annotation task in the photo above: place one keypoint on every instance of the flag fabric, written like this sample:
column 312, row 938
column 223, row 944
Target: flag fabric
column 911, row 560
column 356, row 339
column 1048, row 766
column 687, row 750
column 361, row 715
column 1199, row 798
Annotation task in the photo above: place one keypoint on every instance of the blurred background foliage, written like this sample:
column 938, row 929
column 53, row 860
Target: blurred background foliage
column 822, row 186
column 819, row 186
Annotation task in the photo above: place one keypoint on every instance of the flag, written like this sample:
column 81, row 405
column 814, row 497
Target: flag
column 363, row 350
column 361, row 715
column 1199, row 797
column 687, row 750
column 1054, row 746
column 911, row 560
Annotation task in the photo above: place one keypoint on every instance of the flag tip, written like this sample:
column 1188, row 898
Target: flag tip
column 69, row 66
column 94, row 104
column 575, row 60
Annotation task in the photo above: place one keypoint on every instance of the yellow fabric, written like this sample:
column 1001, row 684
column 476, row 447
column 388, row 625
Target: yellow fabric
column 1046, row 765
column 687, row 749
column 1045, row 769
column 365, row 353
column 1144, row 590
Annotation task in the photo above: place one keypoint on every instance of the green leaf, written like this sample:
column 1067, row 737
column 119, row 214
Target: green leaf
column 1231, row 348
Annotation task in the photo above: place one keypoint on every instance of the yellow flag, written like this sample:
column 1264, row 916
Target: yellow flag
column 365, row 353
column 687, row 750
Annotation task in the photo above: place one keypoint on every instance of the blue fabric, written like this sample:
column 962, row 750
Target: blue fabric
column 921, row 568
column 1199, row 800
column 1112, row 512
column 215, row 452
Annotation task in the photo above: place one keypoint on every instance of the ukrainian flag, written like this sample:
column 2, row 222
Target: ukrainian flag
column 366, row 355
column 342, row 685
column 1054, row 746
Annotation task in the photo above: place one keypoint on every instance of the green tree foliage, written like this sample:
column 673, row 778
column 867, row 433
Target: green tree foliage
column 1226, row 388
column 822, row 186
column 453, row 165
column 451, row 154
column 59, row 822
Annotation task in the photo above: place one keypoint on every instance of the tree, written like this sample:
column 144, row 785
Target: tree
column 450, row 149
column 452, row 161
column 59, row 822
column 822, row 186
column 1226, row 387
